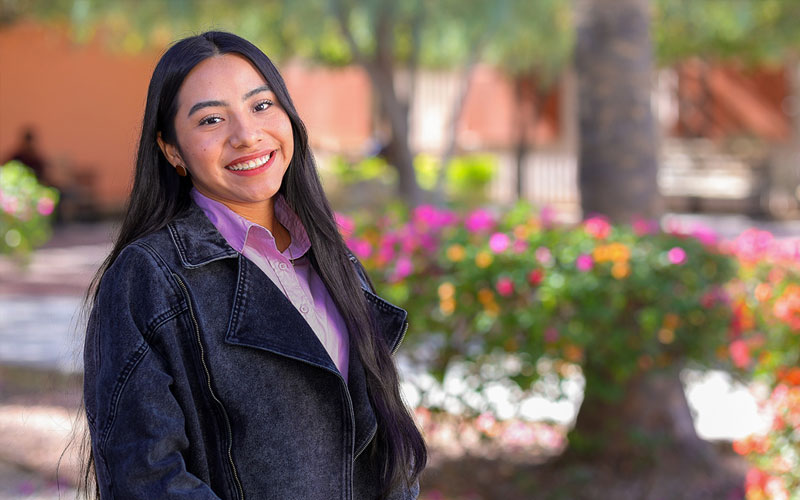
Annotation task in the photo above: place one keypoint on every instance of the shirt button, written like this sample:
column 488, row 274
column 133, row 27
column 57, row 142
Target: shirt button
column 282, row 266
column 304, row 309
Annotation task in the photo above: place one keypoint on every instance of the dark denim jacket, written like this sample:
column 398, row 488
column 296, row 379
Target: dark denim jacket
column 203, row 381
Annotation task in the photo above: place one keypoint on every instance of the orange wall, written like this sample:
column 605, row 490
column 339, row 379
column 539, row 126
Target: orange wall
column 84, row 103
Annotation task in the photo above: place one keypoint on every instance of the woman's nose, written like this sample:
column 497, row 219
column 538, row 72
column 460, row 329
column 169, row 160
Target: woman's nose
column 245, row 132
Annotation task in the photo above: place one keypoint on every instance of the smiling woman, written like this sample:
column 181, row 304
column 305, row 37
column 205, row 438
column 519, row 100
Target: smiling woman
column 235, row 347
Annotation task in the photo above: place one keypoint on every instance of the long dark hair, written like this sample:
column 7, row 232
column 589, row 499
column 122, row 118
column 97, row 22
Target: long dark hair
column 159, row 195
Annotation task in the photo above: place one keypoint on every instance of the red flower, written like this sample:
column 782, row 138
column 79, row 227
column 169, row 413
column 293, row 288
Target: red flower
column 535, row 277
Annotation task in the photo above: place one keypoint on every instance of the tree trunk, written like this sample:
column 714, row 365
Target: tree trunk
column 398, row 151
column 613, row 59
column 650, row 414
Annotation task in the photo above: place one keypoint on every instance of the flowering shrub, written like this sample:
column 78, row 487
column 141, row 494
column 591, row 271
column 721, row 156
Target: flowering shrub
column 482, row 287
column 25, row 209
column 766, row 342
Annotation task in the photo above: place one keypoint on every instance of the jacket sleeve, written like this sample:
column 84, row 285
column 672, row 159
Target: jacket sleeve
column 135, row 422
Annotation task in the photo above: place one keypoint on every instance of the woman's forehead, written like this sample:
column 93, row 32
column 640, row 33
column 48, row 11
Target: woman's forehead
column 226, row 75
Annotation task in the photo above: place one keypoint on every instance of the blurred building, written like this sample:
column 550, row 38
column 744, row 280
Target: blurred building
column 723, row 127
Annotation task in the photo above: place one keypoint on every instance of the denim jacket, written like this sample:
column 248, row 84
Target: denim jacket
column 203, row 381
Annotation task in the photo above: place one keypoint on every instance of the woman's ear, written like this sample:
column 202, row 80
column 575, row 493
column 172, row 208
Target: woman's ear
column 171, row 152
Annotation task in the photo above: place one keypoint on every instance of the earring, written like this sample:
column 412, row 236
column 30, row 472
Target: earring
column 181, row 170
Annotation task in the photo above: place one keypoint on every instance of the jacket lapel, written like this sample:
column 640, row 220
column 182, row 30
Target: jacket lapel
column 263, row 318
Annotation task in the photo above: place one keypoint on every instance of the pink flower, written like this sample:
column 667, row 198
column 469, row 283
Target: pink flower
column 597, row 227
column 753, row 244
column 45, row 206
column 505, row 286
column 402, row 268
column 485, row 423
column 519, row 246
column 544, row 256
column 551, row 335
column 584, row 262
column 547, row 216
column 360, row 247
column 479, row 221
column 740, row 353
column 643, row 227
column 704, row 234
column 346, row 225
column 676, row 255
column 499, row 242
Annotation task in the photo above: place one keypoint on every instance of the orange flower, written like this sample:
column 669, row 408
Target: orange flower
column 485, row 296
column 763, row 292
column 787, row 307
column 620, row 270
column 791, row 376
column 446, row 290
column 613, row 252
column 455, row 253
column 573, row 353
column 483, row 259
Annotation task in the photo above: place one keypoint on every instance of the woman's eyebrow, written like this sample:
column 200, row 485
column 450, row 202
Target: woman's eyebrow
column 210, row 104
column 205, row 104
column 263, row 88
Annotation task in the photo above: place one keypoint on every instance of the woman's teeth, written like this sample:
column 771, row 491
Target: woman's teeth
column 250, row 165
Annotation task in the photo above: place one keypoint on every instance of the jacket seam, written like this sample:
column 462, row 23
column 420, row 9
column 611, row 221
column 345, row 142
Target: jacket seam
column 122, row 381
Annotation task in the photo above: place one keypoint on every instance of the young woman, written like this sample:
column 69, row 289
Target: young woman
column 235, row 348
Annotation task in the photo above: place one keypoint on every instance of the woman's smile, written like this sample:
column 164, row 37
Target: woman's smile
column 254, row 166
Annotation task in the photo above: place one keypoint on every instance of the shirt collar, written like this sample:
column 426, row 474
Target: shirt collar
column 236, row 229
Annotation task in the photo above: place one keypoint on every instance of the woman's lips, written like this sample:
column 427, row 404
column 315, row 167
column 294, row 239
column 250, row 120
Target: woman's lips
column 253, row 166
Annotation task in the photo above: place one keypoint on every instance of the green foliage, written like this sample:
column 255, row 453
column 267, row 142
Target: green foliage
column 466, row 180
column 746, row 30
column 497, row 294
column 25, row 210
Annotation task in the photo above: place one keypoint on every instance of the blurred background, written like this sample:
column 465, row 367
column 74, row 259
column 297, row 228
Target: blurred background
column 590, row 208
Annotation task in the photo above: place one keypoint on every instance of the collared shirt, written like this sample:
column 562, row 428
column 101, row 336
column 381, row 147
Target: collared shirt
column 290, row 270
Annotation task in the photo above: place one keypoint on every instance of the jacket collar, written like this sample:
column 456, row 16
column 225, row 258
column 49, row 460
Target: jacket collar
column 197, row 240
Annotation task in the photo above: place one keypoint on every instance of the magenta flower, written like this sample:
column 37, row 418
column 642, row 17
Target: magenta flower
column 478, row 221
column 584, row 262
column 402, row 268
column 551, row 335
column 499, row 242
column 676, row 255
column 597, row 227
column 345, row 223
column 433, row 218
column 505, row 286
column 45, row 206
column 544, row 256
column 360, row 247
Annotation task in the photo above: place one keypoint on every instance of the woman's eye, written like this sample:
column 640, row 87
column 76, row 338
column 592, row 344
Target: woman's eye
column 210, row 120
column 263, row 105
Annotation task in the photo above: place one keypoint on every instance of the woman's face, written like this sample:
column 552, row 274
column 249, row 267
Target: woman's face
column 232, row 135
